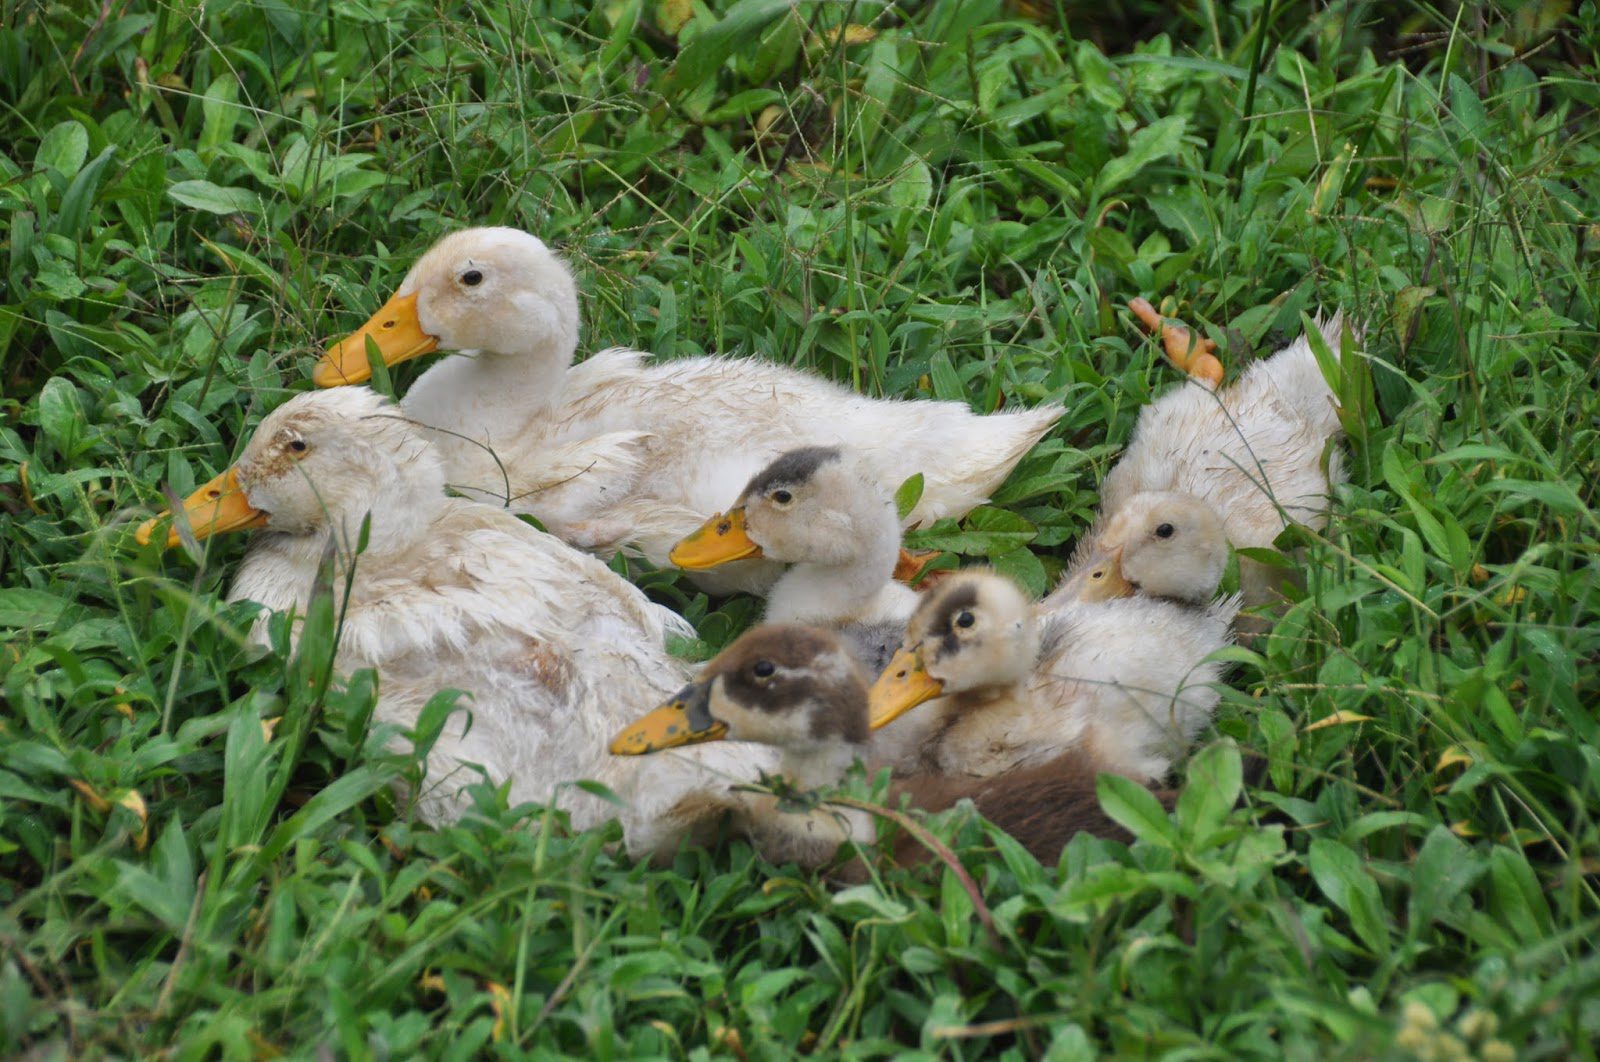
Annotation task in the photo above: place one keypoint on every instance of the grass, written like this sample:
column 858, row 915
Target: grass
column 951, row 199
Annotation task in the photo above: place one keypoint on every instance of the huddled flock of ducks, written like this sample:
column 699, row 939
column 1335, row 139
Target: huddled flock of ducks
column 759, row 478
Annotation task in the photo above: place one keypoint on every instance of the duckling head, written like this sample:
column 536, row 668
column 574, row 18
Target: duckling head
column 323, row 459
column 797, row 688
column 1161, row 543
column 973, row 632
column 813, row 505
column 491, row 290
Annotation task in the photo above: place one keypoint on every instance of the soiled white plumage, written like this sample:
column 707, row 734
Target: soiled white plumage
column 618, row 452
column 555, row 650
column 1254, row 451
column 1125, row 681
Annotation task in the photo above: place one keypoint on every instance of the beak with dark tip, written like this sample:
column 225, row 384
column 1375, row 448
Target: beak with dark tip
column 217, row 507
column 904, row 684
column 1100, row 579
column 684, row 720
column 395, row 329
column 721, row 539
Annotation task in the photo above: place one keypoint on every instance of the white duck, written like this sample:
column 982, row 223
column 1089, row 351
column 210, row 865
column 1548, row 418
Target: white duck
column 1261, row 452
column 555, row 649
column 617, row 452
column 1125, row 681
column 821, row 511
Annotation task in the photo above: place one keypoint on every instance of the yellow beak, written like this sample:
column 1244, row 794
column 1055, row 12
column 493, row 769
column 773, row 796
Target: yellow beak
column 396, row 330
column 904, row 684
column 216, row 507
column 1101, row 579
column 666, row 727
column 719, row 540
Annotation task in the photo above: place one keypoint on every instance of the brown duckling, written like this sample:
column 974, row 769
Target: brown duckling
column 800, row 690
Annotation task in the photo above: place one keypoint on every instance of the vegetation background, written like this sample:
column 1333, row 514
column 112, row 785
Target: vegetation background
column 198, row 852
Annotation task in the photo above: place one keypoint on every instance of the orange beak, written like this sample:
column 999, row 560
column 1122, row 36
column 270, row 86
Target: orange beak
column 217, row 507
column 719, row 540
column 904, row 684
column 395, row 329
column 1101, row 578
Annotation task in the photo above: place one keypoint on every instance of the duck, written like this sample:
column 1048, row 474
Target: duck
column 820, row 511
column 1007, row 684
column 553, row 649
column 1262, row 451
column 621, row 453
column 801, row 691
column 1159, row 544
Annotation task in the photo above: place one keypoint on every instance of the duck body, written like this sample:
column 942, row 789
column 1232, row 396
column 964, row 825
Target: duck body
column 1258, row 452
column 1010, row 685
column 624, row 453
column 552, row 648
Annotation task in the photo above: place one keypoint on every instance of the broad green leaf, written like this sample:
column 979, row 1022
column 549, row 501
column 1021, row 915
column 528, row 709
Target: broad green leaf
column 63, row 149
column 1158, row 140
column 1136, row 808
column 1338, row 872
column 908, row 494
column 215, row 199
column 1444, row 869
column 1211, row 788
column 25, row 609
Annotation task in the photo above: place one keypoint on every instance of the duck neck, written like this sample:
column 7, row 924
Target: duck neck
column 490, row 395
column 820, row 764
column 861, row 590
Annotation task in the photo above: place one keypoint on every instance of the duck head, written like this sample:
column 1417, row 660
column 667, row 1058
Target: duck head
column 813, row 505
column 1161, row 543
column 973, row 632
column 323, row 459
column 493, row 290
column 797, row 688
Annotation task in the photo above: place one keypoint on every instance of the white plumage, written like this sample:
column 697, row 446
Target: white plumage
column 1125, row 681
column 1254, row 451
column 555, row 650
column 618, row 452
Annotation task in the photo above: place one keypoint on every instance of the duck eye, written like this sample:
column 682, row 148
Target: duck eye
column 298, row 446
column 1165, row 531
column 965, row 619
column 763, row 669
column 472, row 278
column 782, row 497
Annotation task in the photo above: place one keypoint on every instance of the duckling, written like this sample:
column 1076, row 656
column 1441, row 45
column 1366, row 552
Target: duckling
column 1126, row 681
column 1254, row 450
column 554, row 649
column 819, row 510
column 618, row 453
column 800, row 690
column 1162, row 544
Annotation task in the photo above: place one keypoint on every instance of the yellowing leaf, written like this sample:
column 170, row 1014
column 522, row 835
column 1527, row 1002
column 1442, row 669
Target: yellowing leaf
column 1463, row 829
column 270, row 727
column 499, row 1001
column 1339, row 718
column 1453, row 756
column 431, row 983
column 673, row 15
column 96, row 801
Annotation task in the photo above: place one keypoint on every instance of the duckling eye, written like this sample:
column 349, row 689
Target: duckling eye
column 472, row 278
column 299, row 446
column 763, row 669
column 782, row 497
column 1165, row 531
column 965, row 619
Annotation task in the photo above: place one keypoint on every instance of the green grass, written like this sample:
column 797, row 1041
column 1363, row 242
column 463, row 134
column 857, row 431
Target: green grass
column 195, row 196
